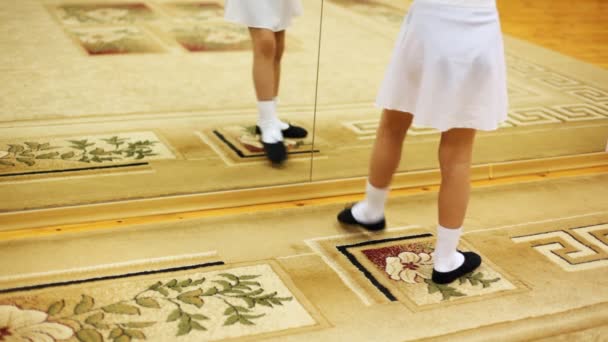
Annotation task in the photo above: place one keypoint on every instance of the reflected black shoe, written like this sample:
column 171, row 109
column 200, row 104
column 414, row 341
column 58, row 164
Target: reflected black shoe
column 346, row 217
column 471, row 262
column 293, row 132
column 276, row 152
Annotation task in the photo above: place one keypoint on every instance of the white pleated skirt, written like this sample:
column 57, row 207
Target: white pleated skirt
column 448, row 67
column 275, row 15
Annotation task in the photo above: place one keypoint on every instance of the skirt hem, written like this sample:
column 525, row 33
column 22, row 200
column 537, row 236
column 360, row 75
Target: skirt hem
column 419, row 121
column 259, row 26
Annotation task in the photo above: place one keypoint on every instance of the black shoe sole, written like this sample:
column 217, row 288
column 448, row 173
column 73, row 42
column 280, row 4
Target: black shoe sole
column 276, row 152
column 293, row 132
column 471, row 262
column 346, row 217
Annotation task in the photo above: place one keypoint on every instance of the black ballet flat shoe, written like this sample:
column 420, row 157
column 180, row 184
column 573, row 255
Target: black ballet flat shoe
column 346, row 217
column 293, row 132
column 471, row 262
column 276, row 152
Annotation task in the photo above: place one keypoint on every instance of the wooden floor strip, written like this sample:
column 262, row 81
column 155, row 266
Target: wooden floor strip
column 165, row 218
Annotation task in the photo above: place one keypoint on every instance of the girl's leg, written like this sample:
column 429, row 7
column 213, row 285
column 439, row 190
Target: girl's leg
column 289, row 131
column 264, row 52
column 264, row 78
column 280, row 48
column 385, row 159
column 455, row 154
column 386, row 153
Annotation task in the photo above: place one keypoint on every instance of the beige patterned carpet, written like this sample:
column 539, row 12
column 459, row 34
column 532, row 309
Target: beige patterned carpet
column 108, row 100
column 296, row 275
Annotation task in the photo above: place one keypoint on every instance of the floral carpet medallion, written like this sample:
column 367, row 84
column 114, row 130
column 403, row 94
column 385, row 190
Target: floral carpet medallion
column 240, row 143
column 196, row 11
column 108, row 29
column 197, row 305
column 373, row 9
column 92, row 14
column 123, row 28
column 114, row 40
column 200, row 26
column 213, row 36
column 45, row 155
column 401, row 269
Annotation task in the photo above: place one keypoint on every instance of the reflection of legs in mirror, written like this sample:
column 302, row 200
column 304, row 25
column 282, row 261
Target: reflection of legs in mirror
column 385, row 159
column 278, row 57
column 267, row 21
column 268, row 48
column 265, row 79
column 455, row 155
column 289, row 131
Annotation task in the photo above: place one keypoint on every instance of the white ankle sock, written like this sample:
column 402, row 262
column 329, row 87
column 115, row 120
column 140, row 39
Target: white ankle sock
column 371, row 209
column 446, row 257
column 268, row 122
column 282, row 124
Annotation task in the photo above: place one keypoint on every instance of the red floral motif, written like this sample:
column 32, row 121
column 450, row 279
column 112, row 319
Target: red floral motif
column 378, row 255
column 409, row 267
column 4, row 332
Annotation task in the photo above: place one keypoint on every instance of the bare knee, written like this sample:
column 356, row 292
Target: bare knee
column 454, row 168
column 266, row 48
column 454, row 162
column 395, row 124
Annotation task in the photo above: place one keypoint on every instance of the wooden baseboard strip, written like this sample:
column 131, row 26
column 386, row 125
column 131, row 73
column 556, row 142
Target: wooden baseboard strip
column 116, row 214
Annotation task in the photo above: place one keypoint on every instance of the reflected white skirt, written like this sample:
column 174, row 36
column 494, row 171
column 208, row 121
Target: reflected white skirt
column 275, row 15
column 448, row 67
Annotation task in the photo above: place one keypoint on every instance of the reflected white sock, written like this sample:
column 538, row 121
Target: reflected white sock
column 371, row 209
column 446, row 257
column 282, row 124
column 268, row 122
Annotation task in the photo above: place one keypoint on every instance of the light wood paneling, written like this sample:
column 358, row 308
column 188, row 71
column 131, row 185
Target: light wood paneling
column 575, row 28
